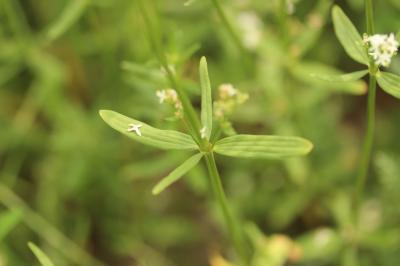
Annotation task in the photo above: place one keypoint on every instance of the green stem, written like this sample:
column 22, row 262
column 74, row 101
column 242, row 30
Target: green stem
column 155, row 39
column 369, row 15
column 369, row 135
column 368, row 142
column 232, row 223
column 224, row 18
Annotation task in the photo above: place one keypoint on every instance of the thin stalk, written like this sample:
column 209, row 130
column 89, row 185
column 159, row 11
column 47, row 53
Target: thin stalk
column 225, row 21
column 155, row 39
column 194, row 124
column 369, row 15
column 368, row 141
column 369, row 135
column 232, row 223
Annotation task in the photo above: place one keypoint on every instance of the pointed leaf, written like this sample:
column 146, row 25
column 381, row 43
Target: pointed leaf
column 262, row 146
column 163, row 139
column 390, row 83
column 353, row 76
column 349, row 36
column 206, row 101
column 311, row 73
column 43, row 259
column 177, row 173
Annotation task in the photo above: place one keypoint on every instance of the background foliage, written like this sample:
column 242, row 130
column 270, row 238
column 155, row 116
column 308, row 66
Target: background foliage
column 75, row 187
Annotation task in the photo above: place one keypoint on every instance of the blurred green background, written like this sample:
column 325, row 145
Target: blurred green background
column 81, row 191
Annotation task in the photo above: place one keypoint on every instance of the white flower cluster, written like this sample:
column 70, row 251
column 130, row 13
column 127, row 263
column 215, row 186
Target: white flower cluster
column 381, row 47
column 170, row 96
column 228, row 99
column 251, row 28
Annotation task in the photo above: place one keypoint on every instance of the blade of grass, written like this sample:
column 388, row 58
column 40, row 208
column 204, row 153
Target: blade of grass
column 40, row 255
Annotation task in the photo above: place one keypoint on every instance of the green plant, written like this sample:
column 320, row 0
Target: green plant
column 374, row 51
column 271, row 147
column 242, row 146
column 369, row 52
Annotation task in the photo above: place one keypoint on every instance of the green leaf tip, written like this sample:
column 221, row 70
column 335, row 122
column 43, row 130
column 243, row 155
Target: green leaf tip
column 348, row 36
column 143, row 133
column 206, row 99
column 40, row 255
column 176, row 174
column 263, row 146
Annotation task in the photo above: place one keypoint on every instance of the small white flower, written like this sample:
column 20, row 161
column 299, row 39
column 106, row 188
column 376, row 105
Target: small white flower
column 227, row 90
column 161, row 94
column 203, row 132
column 135, row 128
column 381, row 47
column 251, row 28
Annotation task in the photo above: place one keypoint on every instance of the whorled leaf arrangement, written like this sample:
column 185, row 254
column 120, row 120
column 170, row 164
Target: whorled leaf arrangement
column 354, row 46
column 245, row 146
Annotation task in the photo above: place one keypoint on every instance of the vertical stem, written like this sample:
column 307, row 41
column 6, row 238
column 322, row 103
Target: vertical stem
column 369, row 135
column 369, row 15
column 232, row 223
column 368, row 142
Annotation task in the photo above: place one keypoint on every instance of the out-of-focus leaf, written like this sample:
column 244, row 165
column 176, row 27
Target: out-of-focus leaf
column 206, row 101
column 340, row 206
column 8, row 220
column 40, row 255
column 390, row 83
column 353, row 76
column 321, row 244
column 349, row 36
column 177, row 173
column 71, row 13
column 163, row 139
column 382, row 239
column 315, row 22
column 303, row 70
column 263, row 146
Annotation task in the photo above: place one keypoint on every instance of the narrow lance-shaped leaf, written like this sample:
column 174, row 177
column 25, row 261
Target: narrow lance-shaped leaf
column 177, row 173
column 310, row 73
column 262, row 146
column 349, row 36
column 390, row 83
column 206, row 101
column 43, row 259
column 71, row 13
column 163, row 139
column 353, row 76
